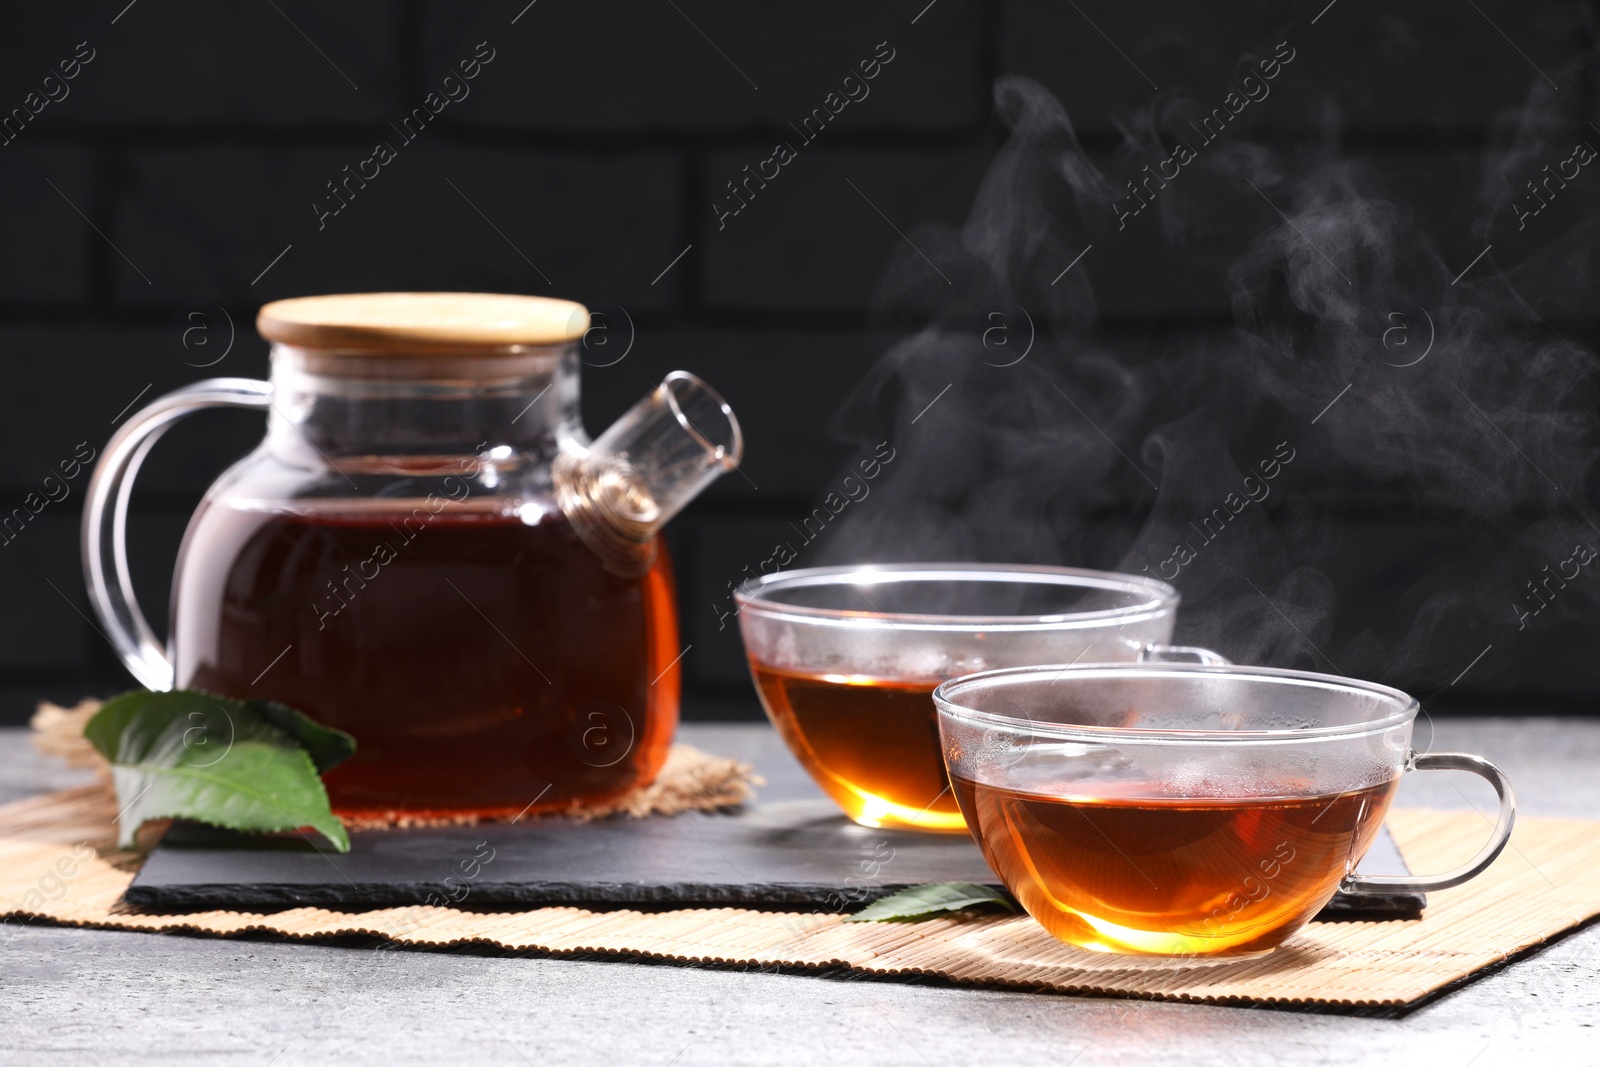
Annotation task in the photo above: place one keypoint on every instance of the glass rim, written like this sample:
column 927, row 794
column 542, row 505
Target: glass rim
column 1158, row 597
column 1404, row 706
column 728, row 455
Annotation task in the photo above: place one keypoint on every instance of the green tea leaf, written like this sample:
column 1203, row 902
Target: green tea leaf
column 326, row 746
column 926, row 901
column 242, row 765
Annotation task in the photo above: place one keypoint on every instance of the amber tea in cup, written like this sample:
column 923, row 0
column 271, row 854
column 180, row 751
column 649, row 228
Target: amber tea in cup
column 875, row 742
column 1194, row 875
column 846, row 660
column 1184, row 810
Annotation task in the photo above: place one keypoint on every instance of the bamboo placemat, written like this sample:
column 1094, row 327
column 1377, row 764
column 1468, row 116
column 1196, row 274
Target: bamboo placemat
column 1546, row 882
column 689, row 780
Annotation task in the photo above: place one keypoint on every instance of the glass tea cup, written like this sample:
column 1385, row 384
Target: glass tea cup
column 845, row 660
column 1183, row 809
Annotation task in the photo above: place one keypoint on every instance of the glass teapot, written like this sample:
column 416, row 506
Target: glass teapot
column 429, row 552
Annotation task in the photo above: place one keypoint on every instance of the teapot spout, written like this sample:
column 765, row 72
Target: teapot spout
column 645, row 468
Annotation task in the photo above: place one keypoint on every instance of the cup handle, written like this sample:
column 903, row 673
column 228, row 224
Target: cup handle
column 1154, row 653
column 1448, row 761
column 105, row 517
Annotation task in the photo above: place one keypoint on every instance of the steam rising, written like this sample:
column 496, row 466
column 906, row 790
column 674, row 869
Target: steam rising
column 1427, row 500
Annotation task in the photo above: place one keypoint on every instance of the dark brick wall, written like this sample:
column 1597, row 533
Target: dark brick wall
column 190, row 150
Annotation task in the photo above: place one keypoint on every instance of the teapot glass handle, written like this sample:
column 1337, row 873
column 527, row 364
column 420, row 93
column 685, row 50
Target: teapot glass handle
column 105, row 515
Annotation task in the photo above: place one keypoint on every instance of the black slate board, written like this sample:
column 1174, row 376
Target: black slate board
column 797, row 852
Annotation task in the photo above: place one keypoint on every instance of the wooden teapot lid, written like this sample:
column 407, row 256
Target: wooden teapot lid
column 421, row 322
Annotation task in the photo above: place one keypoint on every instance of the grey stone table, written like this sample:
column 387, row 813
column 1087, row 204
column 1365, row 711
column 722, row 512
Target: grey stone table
column 69, row 996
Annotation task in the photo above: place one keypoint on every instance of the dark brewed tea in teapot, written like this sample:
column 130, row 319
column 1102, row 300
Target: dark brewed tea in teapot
column 429, row 553
column 482, row 661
